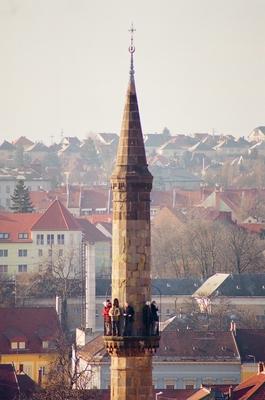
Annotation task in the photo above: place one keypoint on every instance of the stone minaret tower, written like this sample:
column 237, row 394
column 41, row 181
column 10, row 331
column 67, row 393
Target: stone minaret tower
column 131, row 356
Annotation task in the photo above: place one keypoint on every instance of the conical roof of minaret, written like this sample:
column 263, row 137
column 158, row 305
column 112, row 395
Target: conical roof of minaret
column 131, row 158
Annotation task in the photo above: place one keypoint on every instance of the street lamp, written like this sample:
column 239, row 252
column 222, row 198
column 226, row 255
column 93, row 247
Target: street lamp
column 158, row 394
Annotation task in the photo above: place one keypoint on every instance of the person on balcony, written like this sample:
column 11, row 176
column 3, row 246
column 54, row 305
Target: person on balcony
column 106, row 317
column 115, row 315
column 128, row 315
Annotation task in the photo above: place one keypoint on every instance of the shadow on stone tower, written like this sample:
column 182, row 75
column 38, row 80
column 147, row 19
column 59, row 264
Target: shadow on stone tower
column 131, row 181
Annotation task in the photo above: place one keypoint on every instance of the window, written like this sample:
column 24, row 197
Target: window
column 42, row 369
column 8, row 202
column 3, row 253
column 49, row 252
column 45, row 344
column 18, row 345
column 22, row 253
column 3, row 269
column 60, row 252
column 50, row 239
column 7, row 189
column 189, row 386
column 40, row 239
column 22, row 268
column 169, row 383
column 40, row 252
column 60, row 239
column 4, row 235
column 23, row 235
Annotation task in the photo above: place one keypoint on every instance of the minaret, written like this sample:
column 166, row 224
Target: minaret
column 131, row 356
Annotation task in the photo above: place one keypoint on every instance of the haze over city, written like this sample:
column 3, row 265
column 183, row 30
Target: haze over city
column 64, row 66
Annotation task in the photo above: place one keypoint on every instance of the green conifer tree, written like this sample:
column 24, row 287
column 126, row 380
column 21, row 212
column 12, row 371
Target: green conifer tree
column 21, row 202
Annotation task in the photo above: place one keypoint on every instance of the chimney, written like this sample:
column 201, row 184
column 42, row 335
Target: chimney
column 233, row 327
column 261, row 368
column 230, row 393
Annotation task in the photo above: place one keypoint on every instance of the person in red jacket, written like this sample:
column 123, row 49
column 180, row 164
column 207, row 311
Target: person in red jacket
column 106, row 317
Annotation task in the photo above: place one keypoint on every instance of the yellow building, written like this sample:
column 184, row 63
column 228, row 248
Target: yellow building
column 250, row 344
column 28, row 339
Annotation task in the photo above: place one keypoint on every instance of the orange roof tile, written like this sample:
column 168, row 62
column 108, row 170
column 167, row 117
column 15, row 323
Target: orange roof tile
column 13, row 224
column 253, row 228
column 96, row 218
column 58, row 218
column 253, row 388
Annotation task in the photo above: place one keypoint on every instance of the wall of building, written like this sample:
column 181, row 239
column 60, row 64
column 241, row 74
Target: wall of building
column 31, row 362
column 180, row 375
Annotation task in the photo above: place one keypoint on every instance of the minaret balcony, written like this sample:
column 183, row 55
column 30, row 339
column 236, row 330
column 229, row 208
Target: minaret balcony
column 131, row 345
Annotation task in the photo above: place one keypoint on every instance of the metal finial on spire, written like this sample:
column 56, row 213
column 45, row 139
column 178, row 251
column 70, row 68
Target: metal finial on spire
column 132, row 49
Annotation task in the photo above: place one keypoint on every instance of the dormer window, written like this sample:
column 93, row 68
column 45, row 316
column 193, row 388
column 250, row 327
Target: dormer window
column 4, row 235
column 18, row 345
column 45, row 344
column 23, row 235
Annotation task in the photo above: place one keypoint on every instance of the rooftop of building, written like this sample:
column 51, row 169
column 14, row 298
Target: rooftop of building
column 31, row 325
column 250, row 344
column 56, row 217
column 194, row 346
column 233, row 285
column 14, row 224
column 251, row 389
column 9, row 389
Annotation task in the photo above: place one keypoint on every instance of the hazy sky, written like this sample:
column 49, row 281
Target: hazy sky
column 200, row 64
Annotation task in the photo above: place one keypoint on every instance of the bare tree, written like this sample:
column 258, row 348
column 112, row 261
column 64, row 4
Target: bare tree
column 65, row 379
column 243, row 251
column 169, row 250
column 204, row 247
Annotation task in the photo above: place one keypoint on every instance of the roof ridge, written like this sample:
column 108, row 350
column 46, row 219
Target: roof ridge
column 62, row 213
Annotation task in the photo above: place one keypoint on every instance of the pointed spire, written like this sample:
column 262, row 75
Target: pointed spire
column 131, row 152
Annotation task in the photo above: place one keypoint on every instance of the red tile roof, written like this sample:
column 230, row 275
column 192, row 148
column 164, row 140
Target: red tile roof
column 209, row 214
column 9, row 389
column 175, row 394
column 197, row 345
column 200, row 394
column 97, row 218
column 92, row 234
column 13, row 224
column 32, row 324
column 58, row 218
column 253, row 228
column 251, row 342
column 253, row 388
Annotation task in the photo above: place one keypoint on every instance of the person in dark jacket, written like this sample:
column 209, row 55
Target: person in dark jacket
column 155, row 319
column 147, row 319
column 128, row 314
